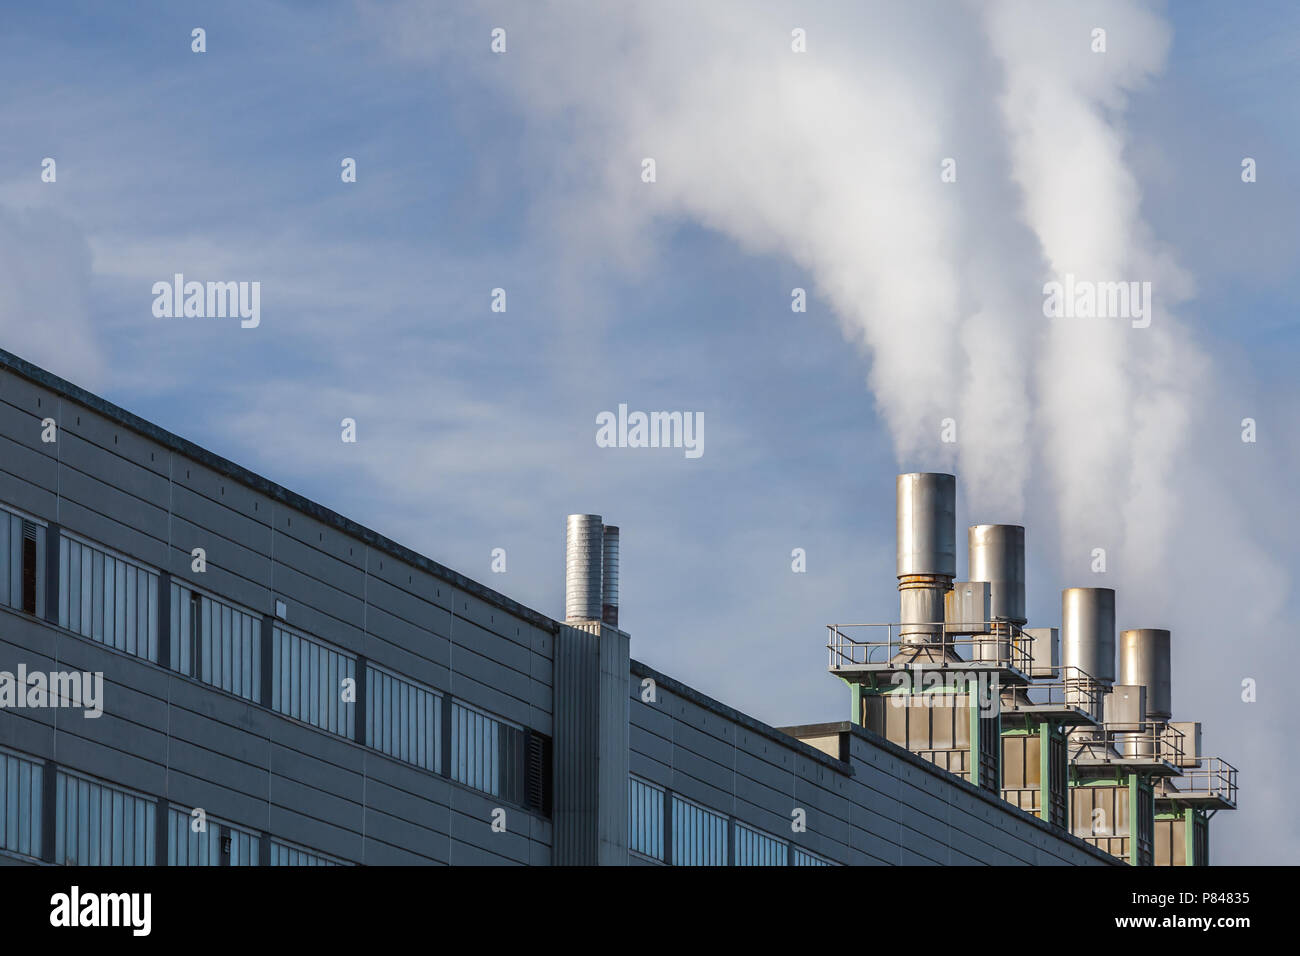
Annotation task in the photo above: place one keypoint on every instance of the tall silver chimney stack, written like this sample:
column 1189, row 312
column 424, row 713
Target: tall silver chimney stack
column 997, row 555
column 584, row 553
column 1088, row 632
column 927, row 552
column 1144, row 660
column 609, row 577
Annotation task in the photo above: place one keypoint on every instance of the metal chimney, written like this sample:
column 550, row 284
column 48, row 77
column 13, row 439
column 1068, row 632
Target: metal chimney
column 997, row 555
column 583, row 556
column 1144, row 660
column 609, row 577
column 927, row 552
column 1088, row 632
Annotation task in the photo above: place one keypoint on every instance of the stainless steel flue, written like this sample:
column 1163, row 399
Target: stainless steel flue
column 997, row 556
column 1144, row 660
column 1088, row 632
column 584, row 554
column 927, row 552
column 609, row 577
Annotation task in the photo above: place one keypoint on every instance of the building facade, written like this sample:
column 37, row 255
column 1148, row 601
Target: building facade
column 198, row 666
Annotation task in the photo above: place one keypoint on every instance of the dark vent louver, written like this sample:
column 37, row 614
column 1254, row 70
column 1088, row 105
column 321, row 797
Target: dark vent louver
column 29, row 567
column 537, row 790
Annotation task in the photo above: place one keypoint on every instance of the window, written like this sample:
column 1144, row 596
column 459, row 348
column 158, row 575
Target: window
column 403, row 719
column 645, row 818
column 98, row 825
column 286, row 854
column 20, row 805
column 22, row 563
column 804, row 858
column 216, row 642
column 188, row 848
column 308, row 682
column 475, row 749
column 108, row 599
column 756, row 848
column 699, row 835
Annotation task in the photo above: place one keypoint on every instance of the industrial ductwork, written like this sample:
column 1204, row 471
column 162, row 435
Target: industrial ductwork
column 927, row 558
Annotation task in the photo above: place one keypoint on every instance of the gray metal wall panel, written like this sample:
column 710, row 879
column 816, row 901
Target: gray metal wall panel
column 326, row 570
column 90, row 428
column 377, row 853
column 304, row 768
column 612, row 758
column 408, row 608
column 103, row 497
column 248, row 530
column 577, row 674
column 106, row 465
column 502, row 651
column 325, row 611
column 23, row 427
column 474, row 680
column 430, row 813
column 298, row 825
column 652, row 770
column 96, row 527
column 234, row 571
column 21, row 495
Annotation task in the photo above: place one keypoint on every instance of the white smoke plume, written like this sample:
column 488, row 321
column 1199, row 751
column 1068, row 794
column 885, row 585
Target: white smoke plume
column 1091, row 431
column 832, row 158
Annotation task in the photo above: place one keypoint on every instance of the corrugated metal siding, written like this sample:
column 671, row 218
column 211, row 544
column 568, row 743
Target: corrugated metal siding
column 168, row 735
column 890, row 809
column 577, row 747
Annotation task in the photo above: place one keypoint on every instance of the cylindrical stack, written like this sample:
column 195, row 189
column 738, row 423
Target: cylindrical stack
column 584, row 554
column 1144, row 661
column 609, row 577
column 997, row 555
column 927, row 552
column 1088, row 632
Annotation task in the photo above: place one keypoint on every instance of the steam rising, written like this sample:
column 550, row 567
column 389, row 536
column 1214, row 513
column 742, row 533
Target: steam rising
column 1092, row 432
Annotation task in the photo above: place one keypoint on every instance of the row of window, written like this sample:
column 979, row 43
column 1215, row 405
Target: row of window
column 699, row 835
column 216, row 642
column 22, row 551
column 115, row 601
column 107, row 599
column 97, row 824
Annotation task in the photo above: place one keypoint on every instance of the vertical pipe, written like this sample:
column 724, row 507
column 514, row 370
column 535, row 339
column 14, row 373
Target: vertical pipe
column 609, row 577
column 927, row 552
column 583, row 555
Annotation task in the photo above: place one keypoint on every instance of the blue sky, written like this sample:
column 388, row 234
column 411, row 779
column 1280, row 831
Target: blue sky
column 476, row 429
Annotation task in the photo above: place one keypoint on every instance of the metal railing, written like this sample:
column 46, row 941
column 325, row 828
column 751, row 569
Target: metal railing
column 1215, row 777
column 1147, row 740
column 1067, row 686
column 858, row 645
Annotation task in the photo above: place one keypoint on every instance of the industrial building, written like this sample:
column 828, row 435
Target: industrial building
column 200, row 667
